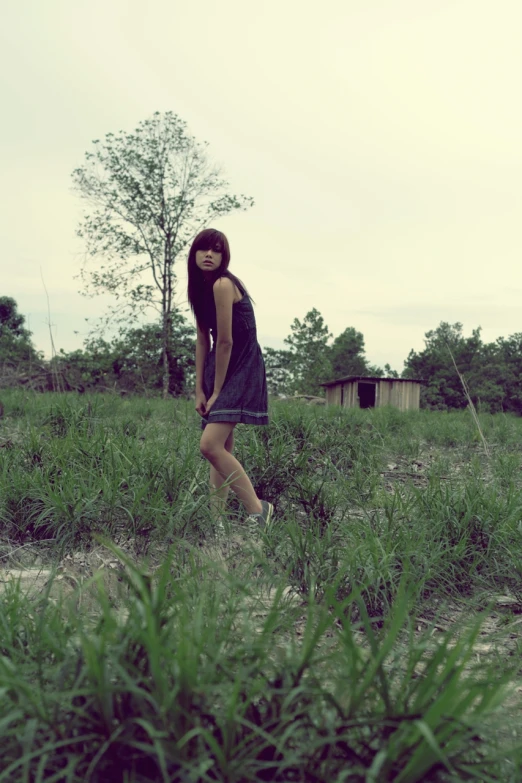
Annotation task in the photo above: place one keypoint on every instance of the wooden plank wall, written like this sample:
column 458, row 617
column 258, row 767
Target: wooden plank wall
column 351, row 399
column 333, row 395
column 348, row 394
column 404, row 395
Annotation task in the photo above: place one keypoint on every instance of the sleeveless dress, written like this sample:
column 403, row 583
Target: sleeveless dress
column 243, row 397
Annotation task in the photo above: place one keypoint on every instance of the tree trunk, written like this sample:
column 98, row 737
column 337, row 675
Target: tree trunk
column 166, row 351
column 167, row 313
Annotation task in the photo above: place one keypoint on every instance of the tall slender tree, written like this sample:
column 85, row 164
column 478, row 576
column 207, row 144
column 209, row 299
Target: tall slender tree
column 149, row 193
column 308, row 352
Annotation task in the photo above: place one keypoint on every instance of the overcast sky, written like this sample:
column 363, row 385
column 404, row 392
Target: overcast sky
column 381, row 141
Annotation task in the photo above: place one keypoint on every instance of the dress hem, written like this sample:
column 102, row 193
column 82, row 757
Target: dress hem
column 236, row 418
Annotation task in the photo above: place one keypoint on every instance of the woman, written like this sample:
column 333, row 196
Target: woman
column 230, row 375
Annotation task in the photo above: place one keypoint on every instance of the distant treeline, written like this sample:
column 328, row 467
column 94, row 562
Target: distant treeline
column 132, row 362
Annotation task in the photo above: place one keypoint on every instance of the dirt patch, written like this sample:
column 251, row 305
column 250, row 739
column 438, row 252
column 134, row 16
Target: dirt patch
column 75, row 581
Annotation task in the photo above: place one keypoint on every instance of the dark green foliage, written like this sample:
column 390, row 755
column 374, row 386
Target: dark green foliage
column 493, row 372
column 388, row 372
column 310, row 360
column 16, row 347
column 503, row 368
column 443, row 387
column 279, row 377
column 347, row 354
column 132, row 362
column 308, row 352
column 11, row 321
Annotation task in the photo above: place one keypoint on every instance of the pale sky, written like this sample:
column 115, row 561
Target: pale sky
column 380, row 139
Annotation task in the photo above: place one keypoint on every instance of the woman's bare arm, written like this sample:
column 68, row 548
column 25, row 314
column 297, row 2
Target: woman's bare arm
column 224, row 298
column 202, row 348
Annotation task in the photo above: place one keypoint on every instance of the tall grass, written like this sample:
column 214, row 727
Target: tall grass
column 196, row 684
column 297, row 659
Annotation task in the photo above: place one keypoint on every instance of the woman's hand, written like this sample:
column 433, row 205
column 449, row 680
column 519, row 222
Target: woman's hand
column 201, row 402
column 210, row 402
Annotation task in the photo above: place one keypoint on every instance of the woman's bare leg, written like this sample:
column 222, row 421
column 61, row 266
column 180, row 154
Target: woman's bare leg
column 212, row 447
column 218, row 485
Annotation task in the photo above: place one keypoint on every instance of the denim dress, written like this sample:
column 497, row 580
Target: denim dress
column 243, row 397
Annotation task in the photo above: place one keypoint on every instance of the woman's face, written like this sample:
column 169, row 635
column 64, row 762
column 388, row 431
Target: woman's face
column 208, row 260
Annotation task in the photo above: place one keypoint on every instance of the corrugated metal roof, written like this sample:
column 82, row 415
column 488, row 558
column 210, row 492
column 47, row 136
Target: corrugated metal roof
column 370, row 378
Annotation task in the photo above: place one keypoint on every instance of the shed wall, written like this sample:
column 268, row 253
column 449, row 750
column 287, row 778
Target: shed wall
column 404, row 395
column 351, row 399
column 333, row 395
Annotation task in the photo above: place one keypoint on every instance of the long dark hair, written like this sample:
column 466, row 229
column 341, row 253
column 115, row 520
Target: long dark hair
column 199, row 292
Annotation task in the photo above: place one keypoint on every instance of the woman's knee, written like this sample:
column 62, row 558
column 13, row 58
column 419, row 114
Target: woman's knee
column 204, row 448
column 208, row 447
column 214, row 440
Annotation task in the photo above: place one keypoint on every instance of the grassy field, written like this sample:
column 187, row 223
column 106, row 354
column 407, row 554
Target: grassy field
column 373, row 635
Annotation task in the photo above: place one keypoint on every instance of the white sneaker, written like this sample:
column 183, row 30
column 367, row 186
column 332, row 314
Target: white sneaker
column 219, row 528
column 262, row 521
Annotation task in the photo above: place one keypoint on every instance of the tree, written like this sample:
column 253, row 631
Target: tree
column 132, row 361
column 150, row 192
column 11, row 321
column 504, row 370
column 16, row 346
column 309, row 353
column 388, row 372
column 347, row 354
column 90, row 367
column 443, row 389
column 278, row 371
column 138, row 356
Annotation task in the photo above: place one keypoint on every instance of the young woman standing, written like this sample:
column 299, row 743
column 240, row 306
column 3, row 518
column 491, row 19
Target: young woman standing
column 230, row 373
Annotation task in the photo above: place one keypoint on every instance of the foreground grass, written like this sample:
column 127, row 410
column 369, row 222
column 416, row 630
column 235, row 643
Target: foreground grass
column 196, row 683
column 205, row 667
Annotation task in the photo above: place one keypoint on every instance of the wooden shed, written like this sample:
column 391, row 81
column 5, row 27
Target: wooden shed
column 357, row 391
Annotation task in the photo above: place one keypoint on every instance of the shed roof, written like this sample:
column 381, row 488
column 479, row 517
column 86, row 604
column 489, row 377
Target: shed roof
column 371, row 378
